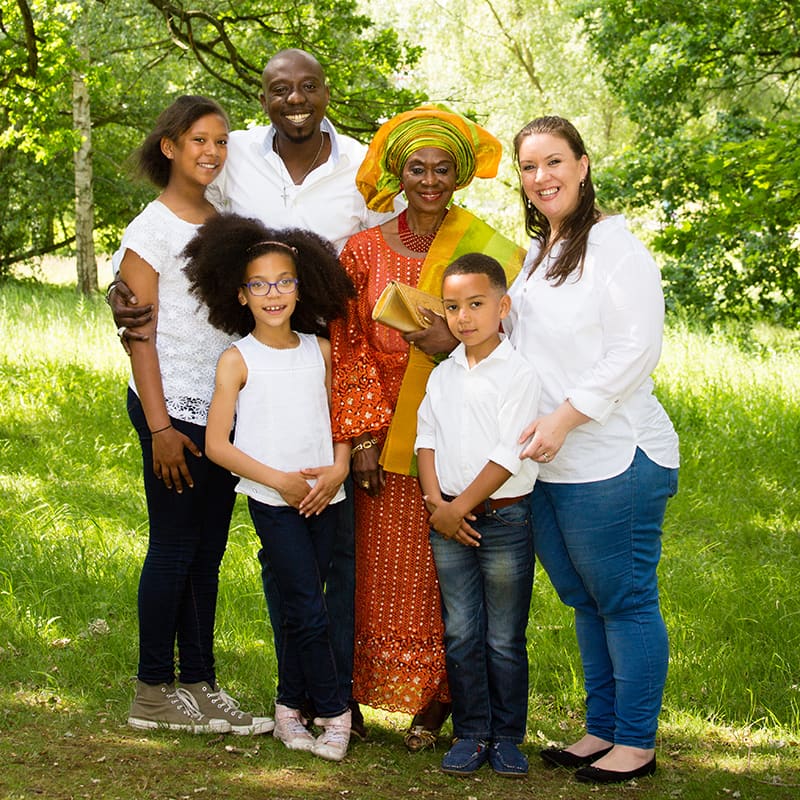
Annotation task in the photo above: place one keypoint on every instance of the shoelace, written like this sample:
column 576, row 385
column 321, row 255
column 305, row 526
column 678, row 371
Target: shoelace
column 226, row 701
column 335, row 734
column 293, row 725
column 185, row 702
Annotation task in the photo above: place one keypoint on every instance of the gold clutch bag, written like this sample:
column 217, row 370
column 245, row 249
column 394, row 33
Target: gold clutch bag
column 397, row 307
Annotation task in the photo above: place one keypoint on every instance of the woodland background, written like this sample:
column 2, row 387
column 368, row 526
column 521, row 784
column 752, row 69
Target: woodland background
column 690, row 111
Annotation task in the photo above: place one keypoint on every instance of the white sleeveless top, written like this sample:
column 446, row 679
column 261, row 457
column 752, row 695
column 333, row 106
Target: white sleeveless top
column 188, row 345
column 282, row 413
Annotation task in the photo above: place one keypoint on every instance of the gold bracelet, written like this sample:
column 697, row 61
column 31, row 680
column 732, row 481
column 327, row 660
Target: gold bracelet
column 365, row 445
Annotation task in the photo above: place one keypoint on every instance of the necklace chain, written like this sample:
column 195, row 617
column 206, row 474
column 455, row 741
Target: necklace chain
column 415, row 242
column 306, row 173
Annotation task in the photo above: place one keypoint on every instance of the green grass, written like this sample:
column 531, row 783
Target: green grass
column 73, row 534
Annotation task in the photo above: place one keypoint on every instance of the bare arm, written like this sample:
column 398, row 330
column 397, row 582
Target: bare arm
column 169, row 462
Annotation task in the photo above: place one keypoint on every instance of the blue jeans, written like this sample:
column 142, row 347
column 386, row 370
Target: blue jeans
column 339, row 593
column 486, row 597
column 298, row 551
column 600, row 543
column 180, row 576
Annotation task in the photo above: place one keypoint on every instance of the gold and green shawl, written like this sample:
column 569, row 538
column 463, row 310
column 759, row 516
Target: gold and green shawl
column 460, row 233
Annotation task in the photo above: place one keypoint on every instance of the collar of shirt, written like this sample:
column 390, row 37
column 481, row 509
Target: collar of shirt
column 502, row 351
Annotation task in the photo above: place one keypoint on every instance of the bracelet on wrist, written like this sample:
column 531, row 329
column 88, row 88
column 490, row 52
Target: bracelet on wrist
column 161, row 430
column 365, row 445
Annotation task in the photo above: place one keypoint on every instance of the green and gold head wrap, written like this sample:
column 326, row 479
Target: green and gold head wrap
column 474, row 150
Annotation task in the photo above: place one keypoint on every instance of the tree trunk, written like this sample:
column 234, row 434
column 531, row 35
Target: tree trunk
column 84, row 198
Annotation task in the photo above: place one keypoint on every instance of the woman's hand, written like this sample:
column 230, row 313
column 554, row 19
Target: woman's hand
column 367, row 472
column 128, row 314
column 434, row 339
column 169, row 463
column 545, row 435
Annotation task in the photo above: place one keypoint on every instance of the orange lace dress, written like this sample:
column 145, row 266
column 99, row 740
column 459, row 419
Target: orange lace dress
column 399, row 657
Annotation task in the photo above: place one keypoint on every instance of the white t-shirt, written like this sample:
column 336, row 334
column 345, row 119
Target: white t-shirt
column 255, row 183
column 595, row 340
column 282, row 413
column 471, row 416
column 188, row 346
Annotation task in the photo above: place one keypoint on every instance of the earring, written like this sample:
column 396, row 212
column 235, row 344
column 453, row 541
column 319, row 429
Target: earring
column 583, row 183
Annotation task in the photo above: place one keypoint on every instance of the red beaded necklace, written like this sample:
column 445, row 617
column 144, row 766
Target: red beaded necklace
column 415, row 242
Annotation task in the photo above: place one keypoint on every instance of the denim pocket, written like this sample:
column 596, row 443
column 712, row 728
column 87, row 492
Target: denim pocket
column 513, row 515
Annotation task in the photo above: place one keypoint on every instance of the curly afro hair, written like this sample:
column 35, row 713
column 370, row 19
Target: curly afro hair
column 222, row 248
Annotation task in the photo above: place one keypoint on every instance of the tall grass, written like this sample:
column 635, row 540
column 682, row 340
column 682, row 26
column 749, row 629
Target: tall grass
column 73, row 534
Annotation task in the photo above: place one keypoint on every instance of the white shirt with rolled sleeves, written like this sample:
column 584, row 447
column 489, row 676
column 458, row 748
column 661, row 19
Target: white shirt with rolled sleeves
column 471, row 416
column 595, row 340
column 255, row 183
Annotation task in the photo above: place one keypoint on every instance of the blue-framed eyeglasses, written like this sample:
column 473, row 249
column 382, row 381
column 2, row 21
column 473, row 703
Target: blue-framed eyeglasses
column 259, row 288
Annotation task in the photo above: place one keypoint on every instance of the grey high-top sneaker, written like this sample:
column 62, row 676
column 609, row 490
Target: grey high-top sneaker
column 164, row 706
column 216, row 703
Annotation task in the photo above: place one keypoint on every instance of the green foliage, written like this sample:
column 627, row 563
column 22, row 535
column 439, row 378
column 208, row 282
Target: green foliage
column 136, row 57
column 713, row 89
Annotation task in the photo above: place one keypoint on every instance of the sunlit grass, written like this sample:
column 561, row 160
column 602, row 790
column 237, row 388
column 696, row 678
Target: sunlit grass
column 73, row 535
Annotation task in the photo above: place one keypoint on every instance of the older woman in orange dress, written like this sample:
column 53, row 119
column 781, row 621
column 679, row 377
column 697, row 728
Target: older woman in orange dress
column 379, row 381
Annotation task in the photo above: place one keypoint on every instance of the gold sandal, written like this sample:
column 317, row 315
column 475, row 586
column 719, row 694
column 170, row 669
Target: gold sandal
column 418, row 738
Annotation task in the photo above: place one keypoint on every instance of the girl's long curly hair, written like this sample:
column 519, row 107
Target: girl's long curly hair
column 222, row 248
column 574, row 230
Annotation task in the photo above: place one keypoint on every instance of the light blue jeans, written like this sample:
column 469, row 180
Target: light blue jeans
column 600, row 544
column 486, row 596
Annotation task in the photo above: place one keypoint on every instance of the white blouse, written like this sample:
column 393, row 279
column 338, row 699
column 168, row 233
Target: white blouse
column 595, row 340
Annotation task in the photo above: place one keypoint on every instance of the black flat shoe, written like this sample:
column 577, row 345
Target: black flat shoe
column 597, row 775
column 558, row 757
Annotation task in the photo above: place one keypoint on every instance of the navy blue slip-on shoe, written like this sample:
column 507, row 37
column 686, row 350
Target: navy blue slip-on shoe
column 465, row 757
column 507, row 760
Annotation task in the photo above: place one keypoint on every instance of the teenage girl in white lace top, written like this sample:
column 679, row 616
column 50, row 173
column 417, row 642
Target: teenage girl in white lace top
column 189, row 499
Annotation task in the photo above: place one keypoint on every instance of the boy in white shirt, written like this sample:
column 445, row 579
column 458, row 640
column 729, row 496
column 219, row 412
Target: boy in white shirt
column 476, row 488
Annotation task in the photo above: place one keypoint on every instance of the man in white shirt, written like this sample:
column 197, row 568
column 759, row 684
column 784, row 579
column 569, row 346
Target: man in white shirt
column 296, row 172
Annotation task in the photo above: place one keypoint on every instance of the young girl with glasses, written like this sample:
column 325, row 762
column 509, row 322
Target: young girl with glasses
column 279, row 290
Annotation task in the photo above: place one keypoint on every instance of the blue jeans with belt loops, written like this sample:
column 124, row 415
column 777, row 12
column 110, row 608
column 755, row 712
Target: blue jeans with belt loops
column 486, row 596
column 600, row 543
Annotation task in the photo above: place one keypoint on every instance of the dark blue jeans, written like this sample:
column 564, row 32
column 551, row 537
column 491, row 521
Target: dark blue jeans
column 600, row 544
column 339, row 593
column 298, row 551
column 180, row 576
column 486, row 596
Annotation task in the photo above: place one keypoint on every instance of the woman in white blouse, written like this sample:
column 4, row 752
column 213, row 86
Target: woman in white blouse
column 588, row 313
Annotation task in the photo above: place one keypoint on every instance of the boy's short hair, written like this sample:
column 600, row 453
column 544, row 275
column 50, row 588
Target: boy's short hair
column 478, row 264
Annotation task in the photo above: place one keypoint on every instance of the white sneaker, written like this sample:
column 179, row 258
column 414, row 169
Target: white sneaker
column 332, row 742
column 216, row 703
column 290, row 728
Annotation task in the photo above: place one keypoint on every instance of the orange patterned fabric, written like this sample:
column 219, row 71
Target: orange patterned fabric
column 398, row 662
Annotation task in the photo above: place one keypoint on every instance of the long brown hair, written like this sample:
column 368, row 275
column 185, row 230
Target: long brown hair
column 574, row 230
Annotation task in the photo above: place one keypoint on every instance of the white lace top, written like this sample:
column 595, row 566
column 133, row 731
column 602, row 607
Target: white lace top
column 188, row 346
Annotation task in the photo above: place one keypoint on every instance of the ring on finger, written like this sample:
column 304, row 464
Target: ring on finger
column 546, row 456
column 121, row 330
